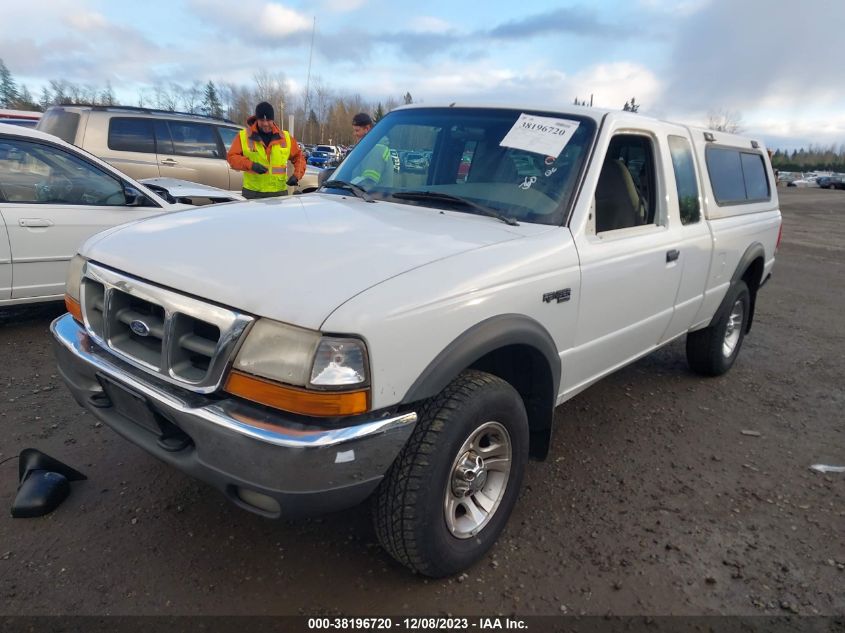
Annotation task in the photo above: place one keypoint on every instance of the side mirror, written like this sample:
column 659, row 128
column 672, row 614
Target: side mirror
column 43, row 484
column 323, row 176
column 134, row 198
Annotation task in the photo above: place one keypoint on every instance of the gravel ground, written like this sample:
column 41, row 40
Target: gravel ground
column 665, row 493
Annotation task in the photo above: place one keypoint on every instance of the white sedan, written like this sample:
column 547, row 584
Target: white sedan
column 810, row 181
column 53, row 197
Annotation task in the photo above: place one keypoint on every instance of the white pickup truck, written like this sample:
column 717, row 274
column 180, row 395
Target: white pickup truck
column 406, row 336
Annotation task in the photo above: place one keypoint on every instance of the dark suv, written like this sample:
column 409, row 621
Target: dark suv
column 831, row 182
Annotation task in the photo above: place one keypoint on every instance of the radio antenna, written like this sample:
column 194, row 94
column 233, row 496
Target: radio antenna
column 308, row 78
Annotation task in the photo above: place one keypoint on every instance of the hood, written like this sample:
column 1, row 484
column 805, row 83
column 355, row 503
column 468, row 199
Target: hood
column 187, row 189
column 293, row 259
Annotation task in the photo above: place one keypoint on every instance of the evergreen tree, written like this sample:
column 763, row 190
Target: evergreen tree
column 408, row 98
column 312, row 126
column 8, row 90
column 379, row 113
column 25, row 101
column 211, row 103
column 631, row 106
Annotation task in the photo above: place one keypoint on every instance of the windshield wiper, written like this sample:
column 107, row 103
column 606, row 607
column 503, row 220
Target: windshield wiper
column 447, row 197
column 357, row 190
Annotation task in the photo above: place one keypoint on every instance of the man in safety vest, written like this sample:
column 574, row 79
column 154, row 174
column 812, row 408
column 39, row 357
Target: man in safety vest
column 262, row 152
column 377, row 166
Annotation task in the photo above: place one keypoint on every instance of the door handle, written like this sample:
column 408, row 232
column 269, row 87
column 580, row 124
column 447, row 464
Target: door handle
column 673, row 255
column 169, row 161
column 35, row 222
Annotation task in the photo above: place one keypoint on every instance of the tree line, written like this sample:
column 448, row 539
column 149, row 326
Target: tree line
column 814, row 158
column 321, row 115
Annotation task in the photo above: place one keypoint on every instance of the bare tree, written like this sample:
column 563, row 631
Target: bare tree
column 164, row 98
column 46, row 99
column 320, row 103
column 390, row 104
column 271, row 88
column 724, row 120
column 238, row 101
column 88, row 94
column 192, row 97
column 59, row 88
column 107, row 95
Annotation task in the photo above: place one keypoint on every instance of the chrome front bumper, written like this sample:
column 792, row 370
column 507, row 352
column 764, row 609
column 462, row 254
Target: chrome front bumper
column 250, row 453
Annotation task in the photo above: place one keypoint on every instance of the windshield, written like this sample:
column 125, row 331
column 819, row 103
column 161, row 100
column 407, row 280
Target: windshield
column 518, row 165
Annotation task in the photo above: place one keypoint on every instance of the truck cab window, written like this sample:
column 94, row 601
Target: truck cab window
column 625, row 191
column 685, row 179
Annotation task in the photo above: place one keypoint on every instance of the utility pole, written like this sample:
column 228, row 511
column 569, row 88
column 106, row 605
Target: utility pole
column 308, row 78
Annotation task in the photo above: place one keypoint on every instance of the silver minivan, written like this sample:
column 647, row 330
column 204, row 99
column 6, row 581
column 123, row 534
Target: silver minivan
column 147, row 143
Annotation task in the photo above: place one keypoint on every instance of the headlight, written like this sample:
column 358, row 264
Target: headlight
column 339, row 362
column 300, row 371
column 72, row 284
column 279, row 352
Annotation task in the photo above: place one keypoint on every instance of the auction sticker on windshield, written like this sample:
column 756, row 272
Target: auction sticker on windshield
column 540, row 134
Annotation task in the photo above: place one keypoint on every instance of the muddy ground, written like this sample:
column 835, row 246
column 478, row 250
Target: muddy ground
column 653, row 500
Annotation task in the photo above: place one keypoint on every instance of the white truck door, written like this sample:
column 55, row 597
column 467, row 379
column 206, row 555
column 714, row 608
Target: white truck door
column 695, row 242
column 629, row 254
column 5, row 258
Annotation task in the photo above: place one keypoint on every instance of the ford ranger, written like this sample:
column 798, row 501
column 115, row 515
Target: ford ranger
column 405, row 337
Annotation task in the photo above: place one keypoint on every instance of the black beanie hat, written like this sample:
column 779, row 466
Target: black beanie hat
column 361, row 119
column 264, row 111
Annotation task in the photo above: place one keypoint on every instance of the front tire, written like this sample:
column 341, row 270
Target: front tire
column 713, row 350
column 451, row 490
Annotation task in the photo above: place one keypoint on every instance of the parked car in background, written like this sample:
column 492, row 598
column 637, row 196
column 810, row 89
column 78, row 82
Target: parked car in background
column 185, row 192
column 148, row 143
column 331, row 150
column 24, row 118
column 809, row 181
column 831, row 182
column 53, row 197
column 415, row 161
column 319, row 158
column 335, row 155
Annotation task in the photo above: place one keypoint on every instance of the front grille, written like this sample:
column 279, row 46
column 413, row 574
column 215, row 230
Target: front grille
column 184, row 340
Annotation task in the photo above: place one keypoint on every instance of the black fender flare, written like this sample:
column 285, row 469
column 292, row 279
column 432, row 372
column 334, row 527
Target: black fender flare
column 476, row 342
column 755, row 250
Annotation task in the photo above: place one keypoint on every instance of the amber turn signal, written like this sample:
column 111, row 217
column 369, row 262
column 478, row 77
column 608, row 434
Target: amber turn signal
column 73, row 307
column 302, row 401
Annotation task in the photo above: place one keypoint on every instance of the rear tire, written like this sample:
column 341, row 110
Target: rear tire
column 713, row 350
column 451, row 490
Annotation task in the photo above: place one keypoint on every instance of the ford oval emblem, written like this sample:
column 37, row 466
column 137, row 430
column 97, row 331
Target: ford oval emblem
column 140, row 328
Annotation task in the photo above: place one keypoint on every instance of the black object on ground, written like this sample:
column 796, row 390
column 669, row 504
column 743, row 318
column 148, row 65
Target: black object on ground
column 44, row 484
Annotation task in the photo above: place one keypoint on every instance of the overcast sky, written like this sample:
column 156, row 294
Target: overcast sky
column 778, row 63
